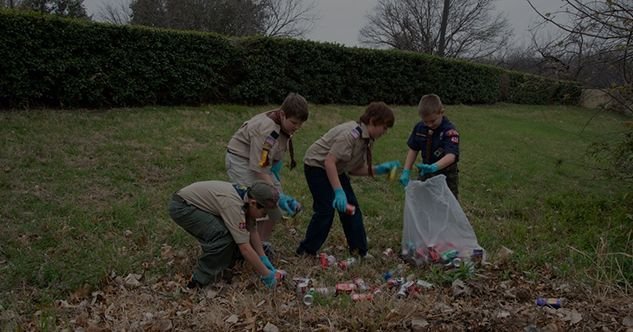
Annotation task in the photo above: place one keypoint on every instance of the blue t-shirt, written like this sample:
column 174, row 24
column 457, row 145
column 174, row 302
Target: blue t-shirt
column 444, row 139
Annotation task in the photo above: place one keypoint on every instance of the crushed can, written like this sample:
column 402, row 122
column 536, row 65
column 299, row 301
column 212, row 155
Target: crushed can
column 324, row 291
column 361, row 284
column 280, row 275
column 434, row 256
column 357, row 297
column 406, row 289
column 345, row 264
column 395, row 282
column 345, row 288
column 555, row 303
column 448, row 255
column 303, row 286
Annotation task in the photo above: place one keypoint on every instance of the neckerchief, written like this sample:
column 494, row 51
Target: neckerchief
column 276, row 117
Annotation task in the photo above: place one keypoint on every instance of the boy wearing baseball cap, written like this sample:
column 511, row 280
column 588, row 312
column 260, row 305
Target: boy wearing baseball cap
column 222, row 217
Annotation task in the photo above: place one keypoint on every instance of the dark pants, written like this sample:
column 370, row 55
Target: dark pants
column 321, row 222
column 452, row 178
column 219, row 250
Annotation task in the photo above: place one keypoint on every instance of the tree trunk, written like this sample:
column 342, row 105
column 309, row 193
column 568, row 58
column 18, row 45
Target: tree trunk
column 442, row 43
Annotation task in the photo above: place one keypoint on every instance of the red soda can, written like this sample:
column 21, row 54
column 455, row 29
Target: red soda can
column 323, row 259
column 434, row 255
column 350, row 209
column 362, row 297
column 280, row 275
column 345, row 288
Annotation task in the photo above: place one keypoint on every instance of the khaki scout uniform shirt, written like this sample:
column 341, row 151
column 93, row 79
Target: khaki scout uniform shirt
column 219, row 198
column 260, row 141
column 348, row 142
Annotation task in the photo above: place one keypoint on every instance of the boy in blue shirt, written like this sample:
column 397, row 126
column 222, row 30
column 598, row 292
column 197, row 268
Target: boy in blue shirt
column 437, row 141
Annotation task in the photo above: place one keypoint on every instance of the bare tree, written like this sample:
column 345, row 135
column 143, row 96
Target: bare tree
column 594, row 32
column 70, row 8
column 452, row 28
column 288, row 18
column 119, row 13
column 292, row 18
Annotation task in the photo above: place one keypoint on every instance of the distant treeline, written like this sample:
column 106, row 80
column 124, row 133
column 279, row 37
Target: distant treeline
column 48, row 61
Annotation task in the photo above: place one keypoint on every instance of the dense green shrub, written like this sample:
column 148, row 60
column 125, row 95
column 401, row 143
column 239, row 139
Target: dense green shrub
column 56, row 62
column 48, row 61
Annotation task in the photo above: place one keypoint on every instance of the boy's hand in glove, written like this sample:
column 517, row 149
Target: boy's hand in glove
column 426, row 168
column 340, row 200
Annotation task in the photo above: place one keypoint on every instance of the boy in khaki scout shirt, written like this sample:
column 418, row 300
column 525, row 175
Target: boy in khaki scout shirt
column 344, row 150
column 256, row 150
column 222, row 217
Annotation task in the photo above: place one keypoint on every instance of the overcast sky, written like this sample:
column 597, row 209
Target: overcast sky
column 341, row 20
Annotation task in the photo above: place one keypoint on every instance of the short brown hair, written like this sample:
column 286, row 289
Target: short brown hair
column 295, row 106
column 430, row 104
column 380, row 113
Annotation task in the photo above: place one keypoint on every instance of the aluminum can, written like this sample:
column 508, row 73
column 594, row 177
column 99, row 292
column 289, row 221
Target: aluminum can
column 345, row 288
column 308, row 298
column 448, row 255
column 434, row 256
column 395, row 282
column 280, row 275
column 345, row 264
column 323, row 260
column 392, row 173
column 324, row 291
column 549, row 302
column 350, row 209
column 362, row 297
column 361, row 284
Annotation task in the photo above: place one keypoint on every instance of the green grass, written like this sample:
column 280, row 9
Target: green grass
column 85, row 193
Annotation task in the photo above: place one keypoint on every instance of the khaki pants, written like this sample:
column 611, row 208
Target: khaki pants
column 219, row 250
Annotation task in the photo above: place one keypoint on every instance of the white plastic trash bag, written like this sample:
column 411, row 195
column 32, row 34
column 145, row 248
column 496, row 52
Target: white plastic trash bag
column 435, row 228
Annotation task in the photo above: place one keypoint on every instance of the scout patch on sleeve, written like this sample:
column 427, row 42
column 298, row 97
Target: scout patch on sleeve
column 356, row 132
column 268, row 145
column 242, row 224
column 454, row 135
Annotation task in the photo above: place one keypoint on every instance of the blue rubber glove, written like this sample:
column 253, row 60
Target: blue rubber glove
column 426, row 168
column 267, row 262
column 340, row 200
column 385, row 167
column 288, row 204
column 276, row 169
column 269, row 280
column 404, row 177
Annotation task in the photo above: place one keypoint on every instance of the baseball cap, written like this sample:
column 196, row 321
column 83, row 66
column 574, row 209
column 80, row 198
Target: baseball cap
column 266, row 195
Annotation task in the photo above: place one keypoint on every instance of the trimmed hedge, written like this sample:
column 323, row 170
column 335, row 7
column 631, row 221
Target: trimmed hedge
column 58, row 62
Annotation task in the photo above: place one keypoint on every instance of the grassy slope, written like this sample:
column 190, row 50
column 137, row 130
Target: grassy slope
column 85, row 193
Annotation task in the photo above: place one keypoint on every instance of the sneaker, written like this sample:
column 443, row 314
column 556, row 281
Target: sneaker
column 268, row 250
column 227, row 275
column 193, row 284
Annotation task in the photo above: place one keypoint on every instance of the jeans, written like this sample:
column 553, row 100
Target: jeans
column 323, row 215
